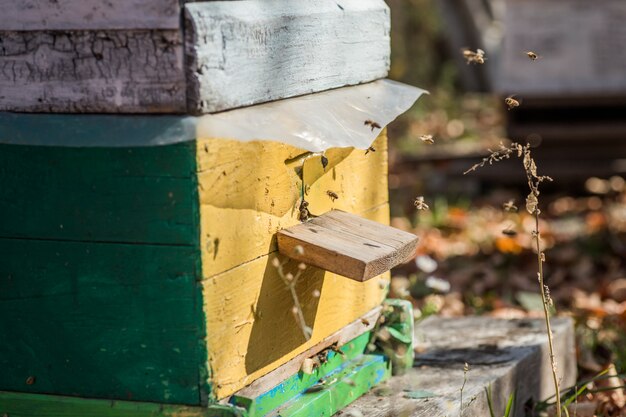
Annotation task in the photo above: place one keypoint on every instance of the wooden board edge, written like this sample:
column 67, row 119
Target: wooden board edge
column 359, row 326
column 344, row 265
column 384, row 264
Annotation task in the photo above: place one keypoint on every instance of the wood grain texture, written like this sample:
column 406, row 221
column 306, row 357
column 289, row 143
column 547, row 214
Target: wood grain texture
column 255, row 186
column 30, row 15
column 112, row 71
column 348, row 245
column 263, row 385
column 133, row 195
column 101, row 320
column 246, row 52
column 251, row 329
column 507, row 355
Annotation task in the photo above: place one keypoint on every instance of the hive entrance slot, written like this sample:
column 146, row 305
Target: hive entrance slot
column 347, row 245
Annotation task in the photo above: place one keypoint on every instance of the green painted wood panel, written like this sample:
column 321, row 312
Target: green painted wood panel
column 137, row 195
column 101, row 320
column 35, row 405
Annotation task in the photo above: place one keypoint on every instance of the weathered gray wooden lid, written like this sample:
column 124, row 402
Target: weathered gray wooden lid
column 347, row 245
column 156, row 56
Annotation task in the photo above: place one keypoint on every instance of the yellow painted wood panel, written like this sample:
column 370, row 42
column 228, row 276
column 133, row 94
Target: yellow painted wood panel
column 250, row 190
column 251, row 329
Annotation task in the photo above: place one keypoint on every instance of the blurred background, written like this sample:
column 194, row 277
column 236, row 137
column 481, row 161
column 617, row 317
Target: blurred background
column 476, row 258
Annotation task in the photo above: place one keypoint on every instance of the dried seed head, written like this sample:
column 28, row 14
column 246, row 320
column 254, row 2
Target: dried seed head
column 275, row 263
column 466, row 367
column 316, row 293
column 294, row 310
column 301, row 266
column 298, row 250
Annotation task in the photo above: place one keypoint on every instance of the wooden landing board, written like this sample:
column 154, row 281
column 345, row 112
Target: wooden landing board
column 347, row 244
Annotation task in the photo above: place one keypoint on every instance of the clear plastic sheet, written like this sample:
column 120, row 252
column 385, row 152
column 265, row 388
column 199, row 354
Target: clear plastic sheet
column 314, row 122
column 317, row 122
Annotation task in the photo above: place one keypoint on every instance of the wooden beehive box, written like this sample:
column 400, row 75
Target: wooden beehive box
column 136, row 274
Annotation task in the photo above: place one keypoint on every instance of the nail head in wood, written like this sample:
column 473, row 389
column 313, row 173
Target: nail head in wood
column 347, row 245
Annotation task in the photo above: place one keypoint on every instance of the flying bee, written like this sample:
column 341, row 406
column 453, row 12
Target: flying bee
column 511, row 102
column 420, row 204
column 370, row 149
column 532, row 55
column 472, row 57
column 333, row 195
column 427, row 139
column 509, row 206
column 371, row 124
column 509, row 232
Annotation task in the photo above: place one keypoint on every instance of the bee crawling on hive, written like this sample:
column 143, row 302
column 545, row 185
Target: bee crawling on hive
column 372, row 124
column 427, row 139
column 304, row 211
column 332, row 195
column 370, row 149
column 511, row 102
column 477, row 57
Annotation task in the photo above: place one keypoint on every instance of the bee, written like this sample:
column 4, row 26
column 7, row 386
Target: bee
column 304, row 211
column 511, row 102
column 509, row 206
column 472, row 57
column 532, row 55
column 509, row 232
column 333, row 195
column 420, row 204
column 324, row 161
column 372, row 124
column 427, row 139
column 370, row 149
column 365, row 322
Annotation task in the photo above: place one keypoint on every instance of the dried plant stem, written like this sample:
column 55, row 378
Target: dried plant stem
column 546, row 314
column 298, row 308
column 532, row 206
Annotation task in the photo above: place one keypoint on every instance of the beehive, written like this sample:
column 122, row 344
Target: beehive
column 136, row 275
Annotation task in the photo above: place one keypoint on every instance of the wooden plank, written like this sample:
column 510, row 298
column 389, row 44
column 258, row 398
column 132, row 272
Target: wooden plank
column 266, row 383
column 112, row 71
column 254, row 185
column 345, row 386
column 348, row 245
column 38, row 405
column 244, row 304
column 134, row 195
column 510, row 356
column 586, row 62
column 32, row 15
column 251, row 51
column 114, row 321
